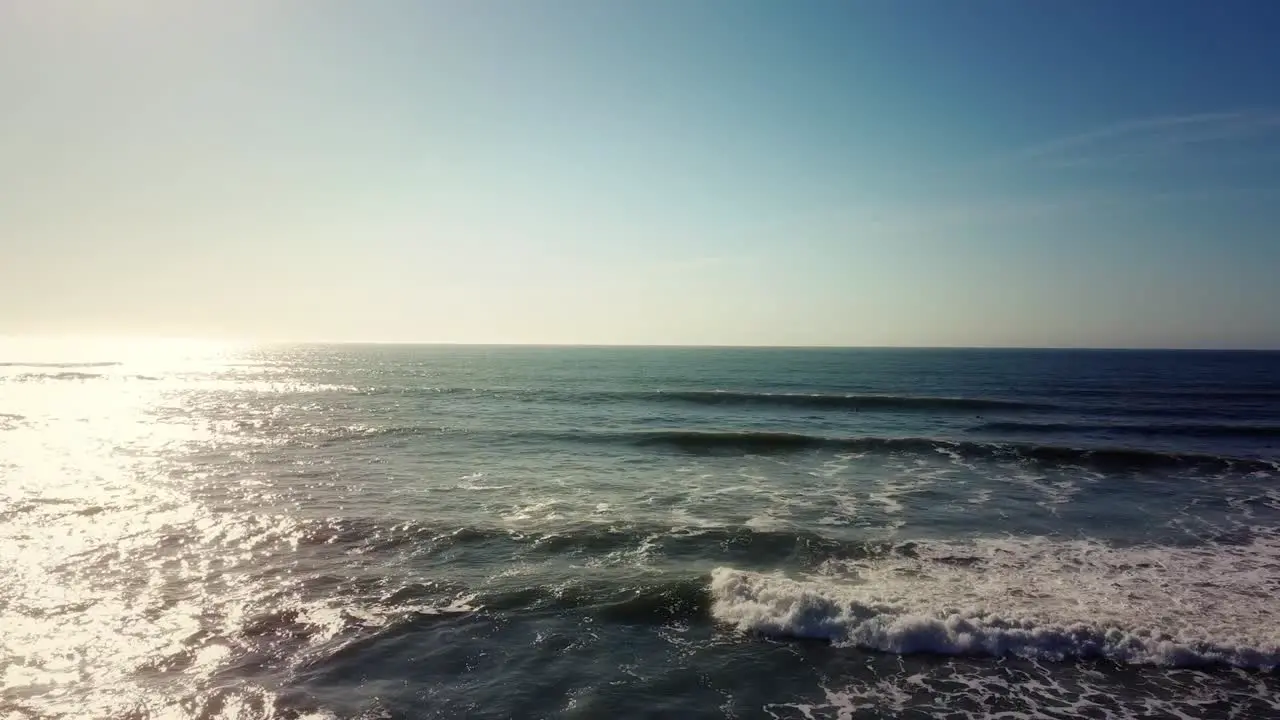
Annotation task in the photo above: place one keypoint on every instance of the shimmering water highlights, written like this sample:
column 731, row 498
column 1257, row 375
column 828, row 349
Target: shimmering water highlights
column 241, row 532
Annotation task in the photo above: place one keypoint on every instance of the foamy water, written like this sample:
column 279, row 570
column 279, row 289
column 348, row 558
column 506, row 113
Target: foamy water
column 1033, row 598
column 213, row 532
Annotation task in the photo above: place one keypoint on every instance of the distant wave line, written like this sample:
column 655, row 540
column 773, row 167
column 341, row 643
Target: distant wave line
column 817, row 401
column 1107, row 459
column 1180, row 429
column 1236, row 393
column 842, row 401
column 59, row 365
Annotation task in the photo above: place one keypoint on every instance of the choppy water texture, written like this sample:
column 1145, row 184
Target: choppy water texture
column 395, row 532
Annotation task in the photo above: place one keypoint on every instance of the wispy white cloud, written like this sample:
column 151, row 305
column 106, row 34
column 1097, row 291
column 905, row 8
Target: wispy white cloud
column 1156, row 137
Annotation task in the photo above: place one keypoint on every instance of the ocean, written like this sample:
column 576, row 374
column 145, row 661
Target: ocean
column 378, row 531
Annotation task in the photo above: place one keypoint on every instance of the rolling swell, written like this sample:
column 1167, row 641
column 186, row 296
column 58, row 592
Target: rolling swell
column 321, row 436
column 819, row 401
column 1231, row 394
column 595, row 540
column 614, row 601
column 1179, row 430
column 1106, row 459
column 727, row 398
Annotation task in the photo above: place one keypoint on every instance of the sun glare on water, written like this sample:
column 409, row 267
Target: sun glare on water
column 106, row 607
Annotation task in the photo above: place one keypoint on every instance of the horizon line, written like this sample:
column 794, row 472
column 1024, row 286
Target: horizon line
column 125, row 338
column 732, row 346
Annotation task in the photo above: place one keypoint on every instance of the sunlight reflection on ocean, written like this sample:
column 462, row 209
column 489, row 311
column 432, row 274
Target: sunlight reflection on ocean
column 196, row 530
column 110, row 561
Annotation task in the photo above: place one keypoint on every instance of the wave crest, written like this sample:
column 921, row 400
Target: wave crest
column 596, row 540
column 840, row 401
column 1173, row 429
column 812, row 401
column 1107, row 459
column 1185, row 607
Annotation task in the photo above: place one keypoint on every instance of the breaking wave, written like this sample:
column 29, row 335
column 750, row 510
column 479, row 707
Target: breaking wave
column 1042, row 599
column 1033, row 597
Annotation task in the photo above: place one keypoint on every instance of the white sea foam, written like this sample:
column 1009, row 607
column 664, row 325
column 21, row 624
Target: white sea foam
column 475, row 486
column 1034, row 691
column 1033, row 598
column 908, row 479
column 981, row 497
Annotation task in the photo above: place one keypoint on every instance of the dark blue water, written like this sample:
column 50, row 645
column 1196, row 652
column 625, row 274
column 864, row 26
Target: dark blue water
column 381, row 531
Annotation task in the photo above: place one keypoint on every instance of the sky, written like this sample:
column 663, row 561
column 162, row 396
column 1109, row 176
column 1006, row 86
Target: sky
column 936, row 173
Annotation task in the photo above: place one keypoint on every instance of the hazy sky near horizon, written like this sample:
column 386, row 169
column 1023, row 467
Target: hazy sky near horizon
column 1087, row 173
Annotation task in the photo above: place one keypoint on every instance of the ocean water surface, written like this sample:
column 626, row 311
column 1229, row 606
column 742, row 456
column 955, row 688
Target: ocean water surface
column 200, row 531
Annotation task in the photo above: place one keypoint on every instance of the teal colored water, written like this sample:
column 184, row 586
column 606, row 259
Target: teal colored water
column 402, row 532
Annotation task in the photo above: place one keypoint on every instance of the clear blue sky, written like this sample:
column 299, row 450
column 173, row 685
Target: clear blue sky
column 652, row 171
